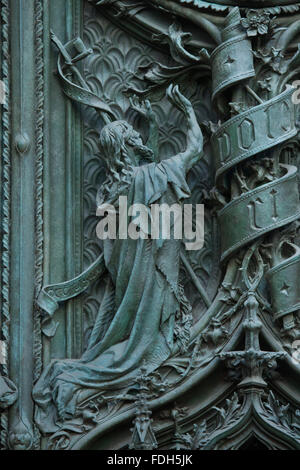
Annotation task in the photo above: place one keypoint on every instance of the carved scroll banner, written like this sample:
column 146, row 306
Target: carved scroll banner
column 232, row 61
column 50, row 295
column 257, row 129
column 285, row 293
column 269, row 206
column 260, row 211
column 82, row 94
column 270, row 203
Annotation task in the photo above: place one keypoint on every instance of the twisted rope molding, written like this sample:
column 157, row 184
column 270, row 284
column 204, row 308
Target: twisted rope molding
column 6, row 190
column 39, row 166
column 39, row 145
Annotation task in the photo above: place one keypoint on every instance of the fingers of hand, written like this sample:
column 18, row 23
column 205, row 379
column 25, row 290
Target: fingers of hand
column 169, row 92
column 183, row 100
column 134, row 102
column 172, row 94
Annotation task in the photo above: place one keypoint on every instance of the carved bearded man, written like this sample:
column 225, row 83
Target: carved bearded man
column 144, row 313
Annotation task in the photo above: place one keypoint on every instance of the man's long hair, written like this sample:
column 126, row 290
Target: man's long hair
column 113, row 138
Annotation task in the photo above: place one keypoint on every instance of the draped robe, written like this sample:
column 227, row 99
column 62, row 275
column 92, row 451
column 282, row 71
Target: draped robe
column 144, row 274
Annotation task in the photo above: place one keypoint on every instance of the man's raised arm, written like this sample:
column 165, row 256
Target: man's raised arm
column 194, row 140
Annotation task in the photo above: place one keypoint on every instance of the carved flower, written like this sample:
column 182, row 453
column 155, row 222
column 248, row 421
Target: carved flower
column 276, row 59
column 257, row 23
column 273, row 57
column 231, row 294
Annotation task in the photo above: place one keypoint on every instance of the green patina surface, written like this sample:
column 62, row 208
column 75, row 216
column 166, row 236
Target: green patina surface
column 180, row 349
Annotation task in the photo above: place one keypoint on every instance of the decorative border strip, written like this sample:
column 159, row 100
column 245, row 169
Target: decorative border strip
column 6, row 192
column 223, row 7
column 39, row 167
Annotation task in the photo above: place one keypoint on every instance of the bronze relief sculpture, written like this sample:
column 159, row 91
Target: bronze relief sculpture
column 148, row 311
column 157, row 102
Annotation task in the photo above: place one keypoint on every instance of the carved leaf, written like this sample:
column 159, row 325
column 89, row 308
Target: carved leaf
column 227, row 415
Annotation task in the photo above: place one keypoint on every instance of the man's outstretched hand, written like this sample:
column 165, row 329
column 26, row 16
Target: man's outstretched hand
column 142, row 107
column 178, row 100
column 194, row 137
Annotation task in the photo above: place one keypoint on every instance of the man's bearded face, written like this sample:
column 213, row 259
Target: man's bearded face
column 140, row 150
